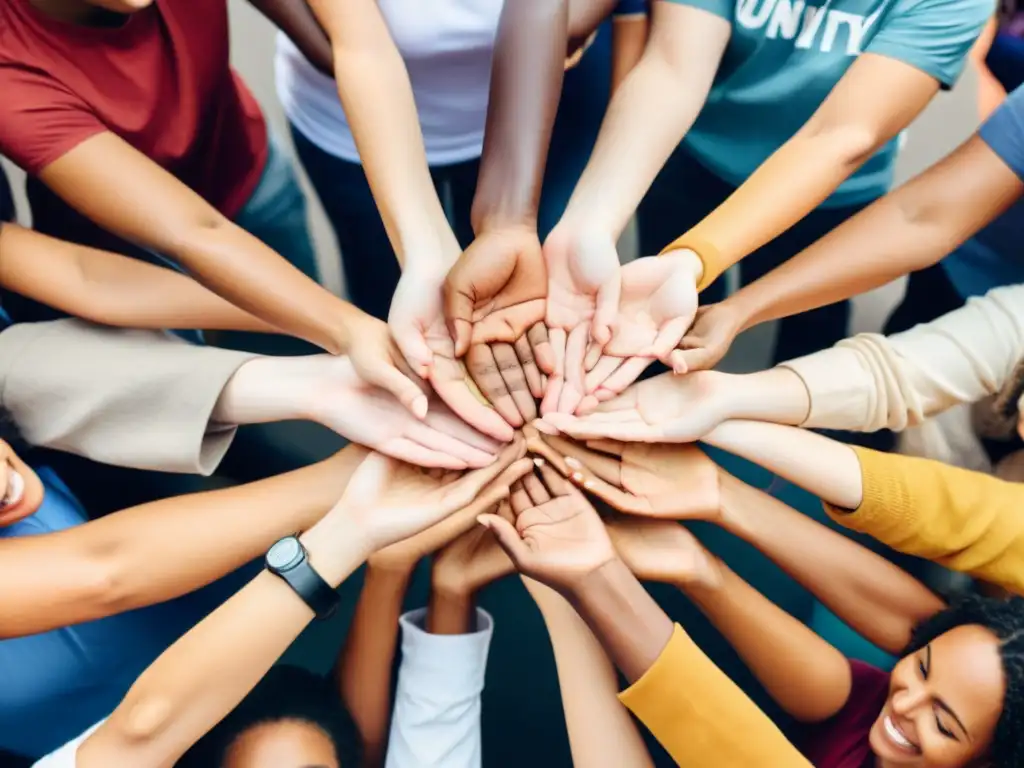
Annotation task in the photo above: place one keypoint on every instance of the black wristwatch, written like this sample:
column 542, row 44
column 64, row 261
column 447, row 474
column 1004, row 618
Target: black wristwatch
column 289, row 560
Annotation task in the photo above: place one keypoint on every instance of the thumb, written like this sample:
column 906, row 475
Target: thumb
column 686, row 360
column 390, row 378
column 507, row 537
column 413, row 346
column 607, row 309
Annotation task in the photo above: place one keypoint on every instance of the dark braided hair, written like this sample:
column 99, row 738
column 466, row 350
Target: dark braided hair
column 1004, row 618
column 286, row 693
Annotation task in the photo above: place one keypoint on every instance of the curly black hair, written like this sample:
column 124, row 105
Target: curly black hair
column 285, row 693
column 1005, row 619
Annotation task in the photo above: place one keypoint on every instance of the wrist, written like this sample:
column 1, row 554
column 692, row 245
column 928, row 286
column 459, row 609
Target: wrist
column 336, row 547
column 449, row 613
column 688, row 261
column 735, row 506
column 612, row 577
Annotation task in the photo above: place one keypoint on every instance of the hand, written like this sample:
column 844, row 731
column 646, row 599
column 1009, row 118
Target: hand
column 496, row 290
column 417, row 324
column 663, row 409
column 558, row 538
column 663, row 551
column 658, row 303
column 507, row 376
column 709, row 338
column 473, row 560
column 371, row 416
column 583, row 302
column 387, row 500
column 403, row 555
column 378, row 362
column 678, row 482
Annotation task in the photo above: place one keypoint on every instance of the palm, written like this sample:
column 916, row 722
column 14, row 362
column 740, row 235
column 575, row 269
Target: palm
column 416, row 309
column 499, row 285
column 472, row 561
column 567, row 542
column 679, row 482
column 662, row 551
column 656, row 308
column 576, row 273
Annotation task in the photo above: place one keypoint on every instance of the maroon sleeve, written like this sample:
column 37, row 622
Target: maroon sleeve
column 40, row 120
column 842, row 740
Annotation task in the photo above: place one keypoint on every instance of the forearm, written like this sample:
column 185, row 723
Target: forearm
column 364, row 667
column 879, row 600
column 827, row 468
column 375, row 91
column 111, row 289
column 805, row 675
column 601, row 732
column 203, row 676
column 271, row 389
column 450, row 611
column 909, row 229
column 295, row 19
column 629, row 36
column 776, row 395
column 648, row 116
column 526, row 83
column 155, row 552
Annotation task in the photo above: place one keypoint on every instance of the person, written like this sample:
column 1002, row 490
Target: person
column 195, row 151
column 866, row 383
column 710, row 72
column 912, row 229
column 7, row 211
column 951, row 699
column 384, row 501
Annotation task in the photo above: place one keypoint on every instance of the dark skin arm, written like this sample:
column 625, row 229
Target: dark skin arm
column 295, row 19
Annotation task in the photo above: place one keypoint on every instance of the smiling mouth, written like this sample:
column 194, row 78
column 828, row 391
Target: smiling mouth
column 898, row 738
column 15, row 490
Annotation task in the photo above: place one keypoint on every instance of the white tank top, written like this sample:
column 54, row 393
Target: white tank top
column 447, row 46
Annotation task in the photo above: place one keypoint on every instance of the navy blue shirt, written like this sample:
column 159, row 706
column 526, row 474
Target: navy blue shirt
column 993, row 257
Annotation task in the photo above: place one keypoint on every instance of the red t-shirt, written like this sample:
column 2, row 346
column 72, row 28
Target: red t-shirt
column 161, row 81
column 842, row 740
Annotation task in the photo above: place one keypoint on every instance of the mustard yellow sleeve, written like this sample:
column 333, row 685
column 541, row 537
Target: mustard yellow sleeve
column 966, row 521
column 701, row 717
column 709, row 255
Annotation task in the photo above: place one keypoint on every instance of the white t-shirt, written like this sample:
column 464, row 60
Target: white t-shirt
column 447, row 46
column 65, row 756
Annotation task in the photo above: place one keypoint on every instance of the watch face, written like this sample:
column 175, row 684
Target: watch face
column 284, row 553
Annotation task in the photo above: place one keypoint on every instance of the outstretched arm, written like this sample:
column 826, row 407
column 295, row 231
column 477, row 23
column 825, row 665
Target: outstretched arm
column 111, row 289
column 159, row 551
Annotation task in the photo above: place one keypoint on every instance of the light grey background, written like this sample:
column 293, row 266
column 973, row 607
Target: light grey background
column 948, row 121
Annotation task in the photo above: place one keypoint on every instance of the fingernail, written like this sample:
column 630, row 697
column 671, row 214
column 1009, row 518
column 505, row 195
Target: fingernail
column 538, row 461
column 573, row 462
column 576, row 477
column 589, row 485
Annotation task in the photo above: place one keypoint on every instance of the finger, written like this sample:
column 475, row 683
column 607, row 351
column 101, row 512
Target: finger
column 542, row 346
column 545, row 453
column 552, row 394
column 519, row 499
column 414, row 349
column 508, row 539
column 512, row 373
column 468, row 487
column 573, row 387
column 587, row 405
column 606, row 366
column 554, row 482
column 607, row 309
column 534, row 380
column 499, row 488
column 449, row 381
column 573, row 455
column 535, row 488
column 611, row 447
column 669, row 335
column 483, row 369
column 505, row 511
column 438, row 441
column 626, row 374
column 632, row 431
column 441, row 420
column 610, row 494
column 593, row 355
column 557, row 339
column 423, row 456
column 386, row 376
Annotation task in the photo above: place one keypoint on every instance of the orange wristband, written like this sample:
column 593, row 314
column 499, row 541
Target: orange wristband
column 707, row 252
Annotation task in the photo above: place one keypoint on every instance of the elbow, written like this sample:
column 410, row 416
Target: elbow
column 107, row 588
column 848, row 145
column 197, row 230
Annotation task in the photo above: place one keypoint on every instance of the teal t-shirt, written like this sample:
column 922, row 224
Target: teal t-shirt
column 785, row 56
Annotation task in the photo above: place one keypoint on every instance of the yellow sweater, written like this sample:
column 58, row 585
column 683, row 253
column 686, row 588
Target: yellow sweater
column 966, row 521
column 701, row 717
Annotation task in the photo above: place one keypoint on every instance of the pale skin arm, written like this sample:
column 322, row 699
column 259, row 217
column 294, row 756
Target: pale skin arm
column 374, row 88
column 105, row 179
column 158, row 551
column 652, row 110
column 601, row 732
column 878, row 599
column 858, row 117
column 909, row 229
column 111, row 289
